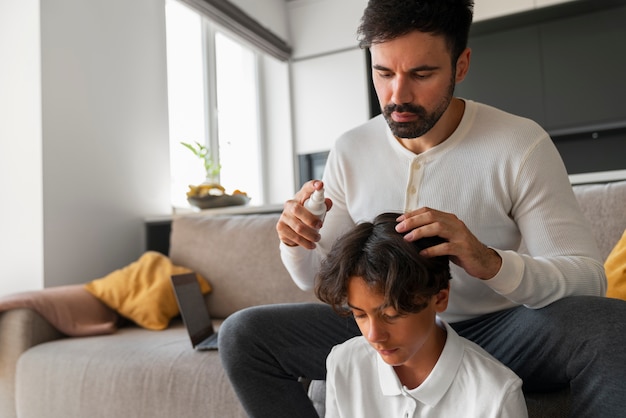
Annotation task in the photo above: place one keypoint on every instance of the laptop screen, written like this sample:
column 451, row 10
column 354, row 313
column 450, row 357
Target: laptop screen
column 192, row 307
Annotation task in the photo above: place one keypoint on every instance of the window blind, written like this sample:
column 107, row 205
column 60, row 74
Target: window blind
column 236, row 20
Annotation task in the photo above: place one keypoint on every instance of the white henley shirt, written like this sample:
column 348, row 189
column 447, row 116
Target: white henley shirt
column 498, row 173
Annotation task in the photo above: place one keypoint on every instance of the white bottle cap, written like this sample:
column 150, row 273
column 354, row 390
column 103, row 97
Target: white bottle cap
column 316, row 204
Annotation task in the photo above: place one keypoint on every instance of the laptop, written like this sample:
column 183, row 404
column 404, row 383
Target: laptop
column 194, row 311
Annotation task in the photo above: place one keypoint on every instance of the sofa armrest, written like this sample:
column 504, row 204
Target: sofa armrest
column 20, row 329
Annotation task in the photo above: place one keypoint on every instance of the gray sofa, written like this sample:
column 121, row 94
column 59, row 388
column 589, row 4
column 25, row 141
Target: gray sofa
column 136, row 372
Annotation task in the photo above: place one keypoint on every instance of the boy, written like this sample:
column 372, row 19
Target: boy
column 407, row 363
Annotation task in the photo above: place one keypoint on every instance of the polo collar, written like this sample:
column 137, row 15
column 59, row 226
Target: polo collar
column 438, row 381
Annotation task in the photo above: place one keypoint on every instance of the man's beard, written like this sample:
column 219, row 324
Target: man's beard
column 425, row 121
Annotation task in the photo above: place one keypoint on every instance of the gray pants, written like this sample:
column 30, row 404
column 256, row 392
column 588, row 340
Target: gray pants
column 580, row 341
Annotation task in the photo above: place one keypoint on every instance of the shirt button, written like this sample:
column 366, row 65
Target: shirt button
column 416, row 165
column 413, row 190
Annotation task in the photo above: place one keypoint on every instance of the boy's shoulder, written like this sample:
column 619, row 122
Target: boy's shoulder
column 479, row 362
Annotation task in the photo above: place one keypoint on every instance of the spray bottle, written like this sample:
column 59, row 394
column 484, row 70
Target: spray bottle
column 316, row 204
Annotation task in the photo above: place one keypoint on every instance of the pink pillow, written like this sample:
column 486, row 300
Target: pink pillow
column 70, row 309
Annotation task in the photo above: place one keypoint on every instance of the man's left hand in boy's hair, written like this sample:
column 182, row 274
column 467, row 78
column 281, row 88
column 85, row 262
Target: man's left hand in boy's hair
column 463, row 248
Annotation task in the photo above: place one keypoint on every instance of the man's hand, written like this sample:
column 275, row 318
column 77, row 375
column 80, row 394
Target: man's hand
column 463, row 248
column 297, row 226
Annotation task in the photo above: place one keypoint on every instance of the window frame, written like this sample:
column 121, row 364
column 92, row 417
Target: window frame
column 274, row 153
column 209, row 30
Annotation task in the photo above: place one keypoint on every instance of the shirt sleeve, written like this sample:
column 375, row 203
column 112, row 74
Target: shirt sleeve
column 559, row 258
column 303, row 264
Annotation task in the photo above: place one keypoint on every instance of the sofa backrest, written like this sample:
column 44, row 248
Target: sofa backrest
column 239, row 256
column 604, row 205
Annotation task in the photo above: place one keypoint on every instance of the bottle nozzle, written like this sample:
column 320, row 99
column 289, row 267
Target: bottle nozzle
column 318, row 196
column 316, row 204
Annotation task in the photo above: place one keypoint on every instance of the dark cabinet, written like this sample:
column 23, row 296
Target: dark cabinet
column 563, row 67
column 584, row 65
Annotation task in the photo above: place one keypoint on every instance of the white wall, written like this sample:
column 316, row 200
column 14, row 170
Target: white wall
column 106, row 147
column 329, row 74
column 100, row 164
column 330, row 97
column 323, row 26
column 272, row 14
column 21, row 188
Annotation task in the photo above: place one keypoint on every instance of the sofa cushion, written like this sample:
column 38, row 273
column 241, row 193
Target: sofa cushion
column 70, row 309
column 603, row 206
column 239, row 255
column 132, row 373
column 142, row 291
column 615, row 267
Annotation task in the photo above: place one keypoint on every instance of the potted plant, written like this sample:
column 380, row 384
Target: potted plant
column 210, row 193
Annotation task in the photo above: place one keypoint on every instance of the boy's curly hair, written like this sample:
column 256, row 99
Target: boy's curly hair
column 377, row 253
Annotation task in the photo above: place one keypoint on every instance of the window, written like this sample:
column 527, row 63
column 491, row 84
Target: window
column 214, row 100
column 238, row 116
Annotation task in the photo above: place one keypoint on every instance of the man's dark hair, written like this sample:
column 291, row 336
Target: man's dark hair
column 384, row 20
column 389, row 264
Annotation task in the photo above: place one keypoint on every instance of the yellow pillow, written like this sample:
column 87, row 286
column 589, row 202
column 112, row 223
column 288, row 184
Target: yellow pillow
column 615, row 268
column 142, row 291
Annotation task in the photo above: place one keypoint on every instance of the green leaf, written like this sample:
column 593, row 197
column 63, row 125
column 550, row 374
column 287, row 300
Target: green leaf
column 199, row 150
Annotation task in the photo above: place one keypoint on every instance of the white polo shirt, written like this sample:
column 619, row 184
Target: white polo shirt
column 466, row 382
